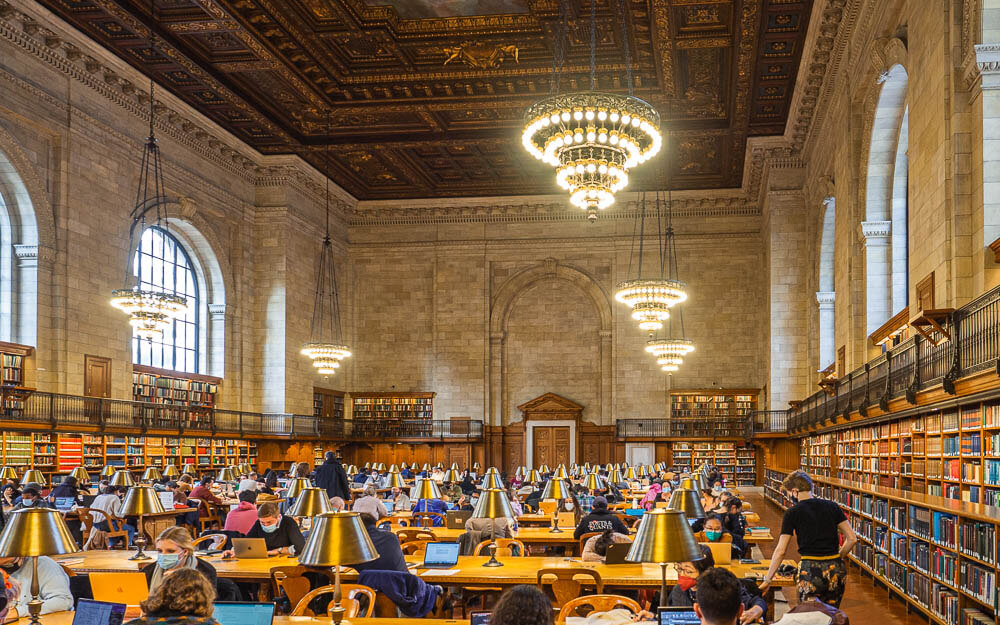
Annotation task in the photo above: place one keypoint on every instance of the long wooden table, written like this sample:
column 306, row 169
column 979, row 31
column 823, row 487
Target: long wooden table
column 66, row 618
column 544, row 536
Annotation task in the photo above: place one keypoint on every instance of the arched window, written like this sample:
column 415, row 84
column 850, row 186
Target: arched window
column 826, row 296
column 18, row 257
column 162, row 264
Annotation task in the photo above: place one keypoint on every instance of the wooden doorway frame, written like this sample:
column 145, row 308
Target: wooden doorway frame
column 550, row 410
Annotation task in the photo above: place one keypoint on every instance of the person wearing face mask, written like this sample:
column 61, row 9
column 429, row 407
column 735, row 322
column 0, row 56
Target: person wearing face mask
column 31, row 497
column 685, row 593
column 176, row 552
column 53, row 584
column 713, row 531
column 818, row 525
column 280, row 533
column 735, row 523
column 109, row 503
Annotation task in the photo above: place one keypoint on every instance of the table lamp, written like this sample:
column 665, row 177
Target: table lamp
column 451, row 475
column 687, row 501
column 608, row 467
column 426, row 467
column 558, row 490
column 122, row 478
column 593, row 482
column 703, row 484
column 425, row 488
column 664, row 537
column 189, row 470
column 140, row 501
column 81, row 475
column 561, row 473
column 520, row 471
column 8, row 473
column 544, row 469
column 296, row 486
column 393, row 469
column 395, row 480
column 152, row 474
column 615, row 476
column 491, row 480
column 630, row 475
column 33, row 532
column 492, row 471
column 337, row 539
column 404, row 466
column 368, row 465
column 381, row 467
column 643, row 472
column 310, row 502
column 454, row 466
column 687, row 483
column 476, row 466
column 493, row 503
column 533, row 476
column 229, row 476
column 108, row 471
column 33, row 475
column 171, row 471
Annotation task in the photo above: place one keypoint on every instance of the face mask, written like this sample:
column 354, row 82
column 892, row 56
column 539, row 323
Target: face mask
column 686, row 583
column 716, row 491
column 569, row 506
column 168, row 560
column 270, row 529
column 27, row 502
column 713, row 536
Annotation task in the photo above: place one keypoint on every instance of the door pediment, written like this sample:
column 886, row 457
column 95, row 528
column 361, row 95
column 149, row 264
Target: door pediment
column 550, row 406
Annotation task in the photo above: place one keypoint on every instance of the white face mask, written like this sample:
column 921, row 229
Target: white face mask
column 569, row 506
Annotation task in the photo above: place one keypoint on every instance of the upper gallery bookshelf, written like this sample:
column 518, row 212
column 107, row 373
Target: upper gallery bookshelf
column 328, row 406
column 161, row 386
column 710, row 413
column 392, row 414
column 12, row 358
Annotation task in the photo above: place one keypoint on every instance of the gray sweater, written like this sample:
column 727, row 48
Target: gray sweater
column 53, row 586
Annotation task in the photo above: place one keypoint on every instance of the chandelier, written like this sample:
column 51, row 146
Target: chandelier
column 650, row 298
column 591, row 138
column 150, row 311
column 670, row 350
column 326, row 348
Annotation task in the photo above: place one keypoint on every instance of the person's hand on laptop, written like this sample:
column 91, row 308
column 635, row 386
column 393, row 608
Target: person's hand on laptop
column 228, row 554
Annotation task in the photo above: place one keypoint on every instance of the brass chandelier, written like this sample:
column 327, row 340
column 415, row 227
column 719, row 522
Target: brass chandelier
column 591, row 138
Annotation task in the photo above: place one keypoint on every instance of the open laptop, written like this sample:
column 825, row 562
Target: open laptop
column 722, row 553
column 245, row 548
column 122, row 587
column 678, row 616
column 243, row 613
column 440, row 555
column 479, row 618
column 389, row 505
column 90, row 612
column 456, row 519
column 616, row 553
column 64, row 504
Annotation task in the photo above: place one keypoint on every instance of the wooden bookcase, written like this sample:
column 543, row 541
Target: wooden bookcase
column 392, row 414
column 710, row 413
column 737, row 463
column 12, row 390
column 938, row 555
column 160, row 386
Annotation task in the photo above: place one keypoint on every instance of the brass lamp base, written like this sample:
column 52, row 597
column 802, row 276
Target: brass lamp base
column 140, row 542
column 35, row 610
column 555, row 527
column 493, row 556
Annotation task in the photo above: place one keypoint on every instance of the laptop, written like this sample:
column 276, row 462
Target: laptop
column 124, row 587
column 722, row 553
column 661, row 504
column 678, row 616
column 616, row 553
column 440, row 555
column 243, row 613
column 456, row 519
column 389, row 505
column 64, row 504
column 479, row 618
column 245, row 548
column 90, row 612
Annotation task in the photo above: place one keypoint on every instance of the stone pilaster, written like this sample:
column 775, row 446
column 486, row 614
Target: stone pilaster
column 878, row 273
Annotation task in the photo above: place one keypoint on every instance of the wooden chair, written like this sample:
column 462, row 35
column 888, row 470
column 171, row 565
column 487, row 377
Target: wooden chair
column 86, row 523
column 207, row 516
column 414, row 547
column 596, row 603
column 411, row 534
column 585, row 538
column 349, row 594
column 213, row 541
column 565, row 587
column 293, row 580
column 505, row 548
column 116, row 529
column 629, row 520
column 426, row 519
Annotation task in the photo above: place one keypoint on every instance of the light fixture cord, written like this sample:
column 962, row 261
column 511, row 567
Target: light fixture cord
column 593, row 45
column 628, row 52
column 559, row 55
column 673, row 249
column 631, row 253
column 642, row 233
column 661, row 240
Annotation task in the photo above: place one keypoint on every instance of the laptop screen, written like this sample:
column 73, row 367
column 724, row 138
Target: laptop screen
column 440, row 553
column 64, row 503
column 238, row 613
column 678, row 617
column 389, row 505
column 90, row 612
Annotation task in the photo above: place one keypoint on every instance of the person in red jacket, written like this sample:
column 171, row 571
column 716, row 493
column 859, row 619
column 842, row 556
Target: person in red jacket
column 203, row 492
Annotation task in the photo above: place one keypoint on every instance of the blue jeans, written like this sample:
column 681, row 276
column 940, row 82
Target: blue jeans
column 104, row 527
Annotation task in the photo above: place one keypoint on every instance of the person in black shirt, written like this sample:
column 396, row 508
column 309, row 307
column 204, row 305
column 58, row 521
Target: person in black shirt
column 280, row 533
column 331, row 477
column 735, row 523
column 599, row 519
column 817, row 525
column 390, row 555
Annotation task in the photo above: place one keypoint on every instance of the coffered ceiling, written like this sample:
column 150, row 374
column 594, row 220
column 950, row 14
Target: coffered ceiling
column 424, row 98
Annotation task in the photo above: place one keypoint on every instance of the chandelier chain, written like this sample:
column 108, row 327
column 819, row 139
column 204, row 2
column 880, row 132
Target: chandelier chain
column 558, row 58
column 593, row 45
column 625, row 44
column 642, row 233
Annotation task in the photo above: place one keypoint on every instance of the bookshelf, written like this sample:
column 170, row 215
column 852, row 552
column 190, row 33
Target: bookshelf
column 737, row 463
column 710, row 413
column 392, row 414
column 328, row 407
column 938, row 554
column 12, row 357
column 159, row 386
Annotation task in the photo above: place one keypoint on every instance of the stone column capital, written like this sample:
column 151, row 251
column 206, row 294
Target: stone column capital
column 876, row 233
column 26, row 255
column 217, row 311
column 826, row 299
column 988, row 64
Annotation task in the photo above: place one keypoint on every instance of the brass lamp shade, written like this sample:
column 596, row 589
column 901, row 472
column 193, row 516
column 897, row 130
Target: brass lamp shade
column 703, row 483
column 664, row 536
column 609, row 467
column 561, row 473
column 555, row 489
column 33, row 475
column 493, row 503
column 151, row 474
column 122, row 478
column 593, row 481
column 36, row 532
column 226, row 474
column 476, row 466
column 533, row 476
column 80, row 474
column 451, row 475
column 337, row 539
column 686, row 501
column 520, row 471
column 171, row 471
column 615, row 476
column 141, row 499
column 108, row 471
column 630, row 475
column 492, row 471
column 396, row 480
column 425, row 489
column 544, row 469
column 404, row 466
column 296, row 486
column 8, row 473
column 454, row 466
column 310, row 502
column 586, row 465
column 492, row 480
column 368, row 465
column 380, row 466
column 426, row 467
column 687, row 483
column 643, row 472
column 189, row 470
column 393, row 469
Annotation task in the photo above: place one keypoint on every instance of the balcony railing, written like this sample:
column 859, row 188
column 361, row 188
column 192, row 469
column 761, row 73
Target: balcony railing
column 682, row 428
column 47, row 410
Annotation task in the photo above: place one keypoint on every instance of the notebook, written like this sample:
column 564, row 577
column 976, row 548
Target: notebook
column 128, row 588
column 678, row 616
column 440, row 555
column 243, row 613
column 90, row 612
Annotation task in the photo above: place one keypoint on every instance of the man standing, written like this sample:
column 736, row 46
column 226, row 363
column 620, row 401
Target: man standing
column 331, row 477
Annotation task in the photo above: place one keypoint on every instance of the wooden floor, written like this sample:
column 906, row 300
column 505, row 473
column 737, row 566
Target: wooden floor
column 864, row 603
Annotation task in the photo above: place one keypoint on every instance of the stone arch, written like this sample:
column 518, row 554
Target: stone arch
column 503, row 302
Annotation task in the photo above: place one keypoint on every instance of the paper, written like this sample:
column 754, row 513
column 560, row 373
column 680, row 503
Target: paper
column 440, row 572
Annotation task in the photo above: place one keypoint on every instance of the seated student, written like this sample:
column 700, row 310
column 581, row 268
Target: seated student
column 53, row 584
column 109, row 503
column 390, row 555
column 468, row 486
column 176, row 552
column 464, row 503
column 522, row 605
column 360, row 479
column 338, row 504
column 713, row 531
column 181, row 503
column 433, row 505
column 599, row 520
column 401, row 501
column 454, row 491
column 735, row 523
column 242, row 517
column 533, row 497
column 688, row 576
column 9, row 495
column 648, row 501
column 187, row 600
column 711, row 502
column 68, row 488
column 406, row 474
column 719, row 600
column 370, row 503
column 596, row 547
column 280, row 533
column 31, row 497
column 515, row 503
column 185, row 483
column 203, row 491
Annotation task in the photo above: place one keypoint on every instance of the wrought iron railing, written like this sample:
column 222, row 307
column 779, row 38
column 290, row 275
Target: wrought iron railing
column 681, row 428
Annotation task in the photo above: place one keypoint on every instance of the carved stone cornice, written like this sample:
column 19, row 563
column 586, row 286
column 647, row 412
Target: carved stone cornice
column 988, row 64
column 876, row 233
column 826, row 299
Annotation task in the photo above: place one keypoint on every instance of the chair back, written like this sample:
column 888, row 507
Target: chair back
column 414, row 547
column 410, row 534
column 293, row 581
column 585, row 538
column 596, row 603
column 349, row 599
column 426, row 519
column 566, row 586
column 506, row 547
column 211, row 541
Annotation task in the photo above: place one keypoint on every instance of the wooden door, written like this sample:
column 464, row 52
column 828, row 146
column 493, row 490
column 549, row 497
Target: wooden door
column 459, row 454
column 96, row 376
column 551, row 445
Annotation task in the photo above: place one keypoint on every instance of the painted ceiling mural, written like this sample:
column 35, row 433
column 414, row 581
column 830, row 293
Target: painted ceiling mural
column 424, row 98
